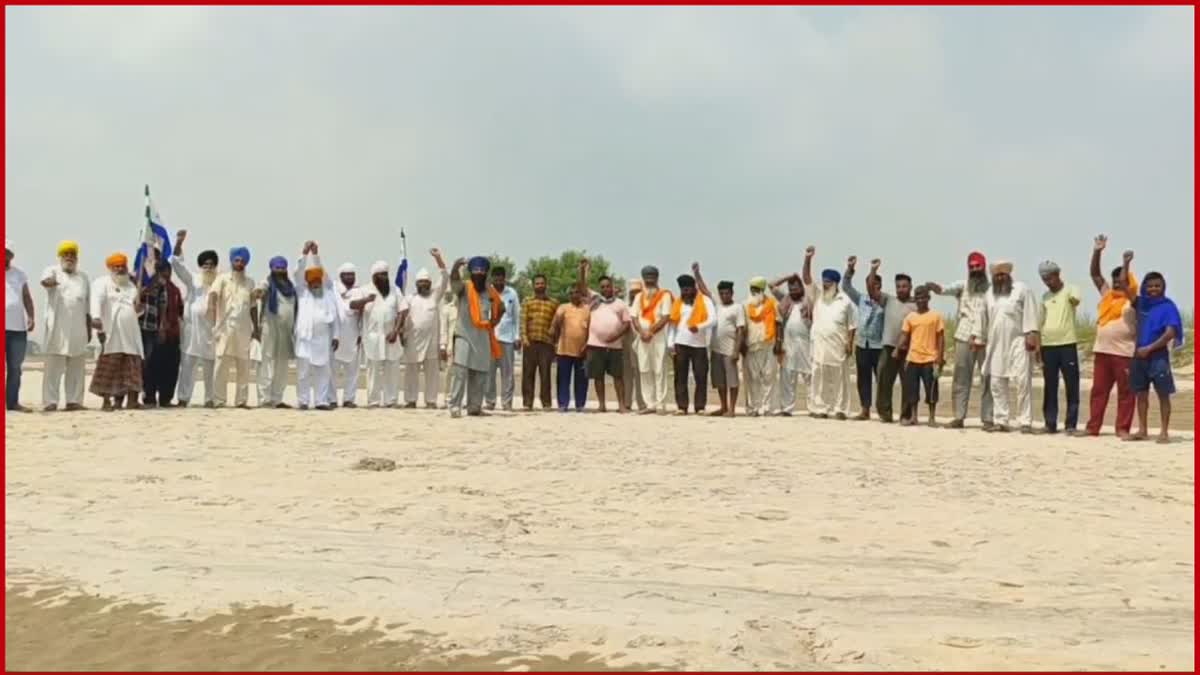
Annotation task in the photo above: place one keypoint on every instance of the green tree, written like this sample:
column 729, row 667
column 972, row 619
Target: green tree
column 563, row 272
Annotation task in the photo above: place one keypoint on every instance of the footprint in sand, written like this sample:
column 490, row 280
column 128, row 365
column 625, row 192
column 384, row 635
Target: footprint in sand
column 829, row 540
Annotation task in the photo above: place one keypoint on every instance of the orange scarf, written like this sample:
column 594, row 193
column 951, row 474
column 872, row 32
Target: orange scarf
column 699, row 312
column 766, row 310
column 477, row 315
column 650, row 309
column 1112, row 304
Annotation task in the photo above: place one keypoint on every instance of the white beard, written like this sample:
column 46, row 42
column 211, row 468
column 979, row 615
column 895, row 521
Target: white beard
column 828, row 294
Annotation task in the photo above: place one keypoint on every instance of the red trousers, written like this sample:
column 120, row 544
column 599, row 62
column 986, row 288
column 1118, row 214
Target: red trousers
column 1111, row 369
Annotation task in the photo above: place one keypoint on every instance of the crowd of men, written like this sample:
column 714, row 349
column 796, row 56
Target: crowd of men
column 157, row 330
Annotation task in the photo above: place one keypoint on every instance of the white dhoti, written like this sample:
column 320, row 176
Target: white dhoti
column 652, row 369
column 272, row 380
column 829, row 392
column 58, row 368
column 412, row 380
column 242, row 391
column 345, row 377
column 314, row 383
column 761, row 369
column 383, row 383
column 787, row 387
column 1003, row 414
column 187, row 378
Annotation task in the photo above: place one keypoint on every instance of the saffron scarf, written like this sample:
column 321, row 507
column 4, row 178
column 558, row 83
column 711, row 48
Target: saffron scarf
column 699, row 312
column 765, row 315
column 1112, row 304
column 477, row 319
column 649, row 306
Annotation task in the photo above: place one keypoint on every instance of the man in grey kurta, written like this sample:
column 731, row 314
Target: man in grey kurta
column 969, row 352
column 472, row 345
column 275, row 319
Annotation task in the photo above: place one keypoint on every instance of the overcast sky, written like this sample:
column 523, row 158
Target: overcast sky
column 732, row 136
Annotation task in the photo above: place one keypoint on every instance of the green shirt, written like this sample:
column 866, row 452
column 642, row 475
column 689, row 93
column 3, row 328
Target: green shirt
column 1058, row 316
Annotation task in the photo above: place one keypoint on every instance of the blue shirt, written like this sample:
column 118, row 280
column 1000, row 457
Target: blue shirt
column 509, row 328
column 870, row 317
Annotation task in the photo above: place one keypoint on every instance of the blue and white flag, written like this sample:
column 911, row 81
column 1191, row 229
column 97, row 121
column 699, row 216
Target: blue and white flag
column 402, row 269
column 154, row 234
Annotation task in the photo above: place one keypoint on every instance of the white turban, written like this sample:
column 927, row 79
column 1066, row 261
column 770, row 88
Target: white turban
column 380, row 267
column 347, row 268
column 423, row 274
column 1002, row 266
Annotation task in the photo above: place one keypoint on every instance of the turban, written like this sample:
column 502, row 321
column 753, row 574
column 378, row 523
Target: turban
column 116, row 260
column 8, row 245
column 758, row 282
column 635, row 285
column 725, row 286
column 831, row 275
column 976, row 258
column 1048, row 267
column 479, row 264
column 240, row 252
column 209, row 256
column 66, row 247
column 347, row 268
column 686, row 281
column 1002, row 267
column 278, row 263
column 423, row 274
column 380, row 267
column 314, row 274
column 649, row 271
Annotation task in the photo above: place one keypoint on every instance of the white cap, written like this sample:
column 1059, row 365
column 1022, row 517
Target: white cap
column 379, row 267
column 347, row 268
column 423, row 274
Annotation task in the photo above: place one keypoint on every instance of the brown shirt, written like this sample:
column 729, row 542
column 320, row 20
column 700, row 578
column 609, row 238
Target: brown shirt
column 573, row 329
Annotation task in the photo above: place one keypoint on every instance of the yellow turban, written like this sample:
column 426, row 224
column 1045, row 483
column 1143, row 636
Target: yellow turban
column 68, row 246
column 314, row 274
column 116, row 260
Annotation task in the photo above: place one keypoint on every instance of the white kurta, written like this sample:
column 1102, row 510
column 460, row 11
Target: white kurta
column 348, row 347
column 66, row 313
column 379, row 318
column 651, row 355
column 113, row 304
column 423, row 325
column 832, row 322
column 232, row 329
column 197, row 328
column 797, row 340
column 1006, row 320
column 318, row 319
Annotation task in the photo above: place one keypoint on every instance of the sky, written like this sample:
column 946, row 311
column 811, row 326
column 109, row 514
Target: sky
column 730, row 136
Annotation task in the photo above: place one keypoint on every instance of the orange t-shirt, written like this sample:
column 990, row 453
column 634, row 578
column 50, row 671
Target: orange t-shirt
column 923, row 331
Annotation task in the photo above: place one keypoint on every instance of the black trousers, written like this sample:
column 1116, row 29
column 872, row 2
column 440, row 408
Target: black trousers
column 917, row 375
column 1064, row 359
column 867, row 361
column 160, row 368
column 891, row 369
column 697, row 358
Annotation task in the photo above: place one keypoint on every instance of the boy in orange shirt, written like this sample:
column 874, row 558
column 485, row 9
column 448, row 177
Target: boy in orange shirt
column 924, row 336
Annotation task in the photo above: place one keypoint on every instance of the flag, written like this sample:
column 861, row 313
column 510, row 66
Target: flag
column 155, row 234
column 402, row 269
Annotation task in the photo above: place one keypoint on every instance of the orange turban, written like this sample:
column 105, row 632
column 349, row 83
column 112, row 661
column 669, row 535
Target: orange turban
column 314, row 275
column 116, row 260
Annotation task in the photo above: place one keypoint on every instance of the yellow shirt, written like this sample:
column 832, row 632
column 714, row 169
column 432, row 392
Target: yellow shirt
column 1058, row 317
column 923, row 331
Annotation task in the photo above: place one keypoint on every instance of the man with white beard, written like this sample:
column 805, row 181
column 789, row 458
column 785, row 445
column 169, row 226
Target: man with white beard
column 116, row 304
column 318, row 328
column 348, row 357
column 968, row 354
column 834, row 323
column 795, row 312
column 761, row 349
column 650, row 315
column 1009, row 327
column 197, row 327
column 230, row 307
column 383, row 315
column 422, row 348
column 68, row 328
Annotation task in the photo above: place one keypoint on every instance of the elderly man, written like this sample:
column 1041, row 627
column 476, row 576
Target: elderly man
column 972, row 297
column 893, row 361
column 384, row 311
column 633, row 380
column 650, row 315
column 347, row 360
column 761, row 349
column 197, row 328
column 230, row 304
column 1009, row 329
column 869, row 335
column 68, row 328
column 275, row 328
column 422, row 349
column 116, row 305
column 835, row 322
column 318, row 329
column 508, row 334
column 479, row 310
column 537, row 346
column 1059, row 350
column 1116, row 342
column 795, row 313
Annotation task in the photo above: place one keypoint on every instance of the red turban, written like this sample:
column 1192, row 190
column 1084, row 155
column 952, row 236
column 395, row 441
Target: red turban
column 976, row 258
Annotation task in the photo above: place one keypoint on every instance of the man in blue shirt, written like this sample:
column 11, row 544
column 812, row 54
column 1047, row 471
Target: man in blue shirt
column 508, row 334
column 869, row 340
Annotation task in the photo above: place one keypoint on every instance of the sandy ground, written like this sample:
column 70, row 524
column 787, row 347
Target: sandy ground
column 537, row 540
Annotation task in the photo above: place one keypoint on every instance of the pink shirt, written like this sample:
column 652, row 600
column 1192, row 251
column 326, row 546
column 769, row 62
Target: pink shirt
column 608, row 320
column 1118, row 337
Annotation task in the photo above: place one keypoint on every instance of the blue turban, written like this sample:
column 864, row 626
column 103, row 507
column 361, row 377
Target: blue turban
column 276, row 287
column 239, row 252
column 831, row 274
column 278, row 263
column 479, row 263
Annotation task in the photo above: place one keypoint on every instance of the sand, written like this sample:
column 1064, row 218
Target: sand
column 551, row 541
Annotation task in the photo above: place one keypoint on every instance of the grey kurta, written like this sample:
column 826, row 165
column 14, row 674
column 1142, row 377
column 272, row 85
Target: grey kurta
column 472, row 346
column 278, row 329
